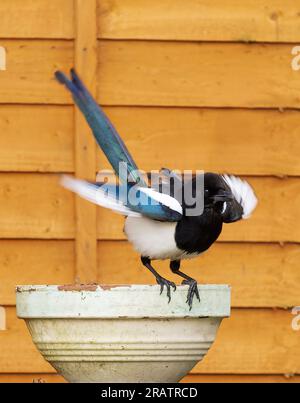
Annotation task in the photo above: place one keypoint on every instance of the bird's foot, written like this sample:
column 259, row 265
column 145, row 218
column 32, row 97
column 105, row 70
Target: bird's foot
column 193, row 291
column 165, row 283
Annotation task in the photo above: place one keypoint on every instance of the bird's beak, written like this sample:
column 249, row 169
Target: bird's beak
column 233, row 212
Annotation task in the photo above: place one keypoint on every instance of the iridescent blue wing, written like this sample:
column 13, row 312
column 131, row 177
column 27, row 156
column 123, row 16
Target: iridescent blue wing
column 105, row 134
column 129, row 200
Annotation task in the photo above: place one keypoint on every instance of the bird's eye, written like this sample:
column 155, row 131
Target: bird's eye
column 224, row 207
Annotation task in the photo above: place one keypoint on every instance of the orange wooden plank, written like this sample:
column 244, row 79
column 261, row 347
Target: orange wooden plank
column 54, row 217
column 31, row 378
column 197, row 74
column 241, row 379
column 261, row 275
column 53, row 378
column 34, row 262
column 252, row 341
column 214, row 137
column 29, row 76
column 18, row 353
column 215, row 140
column 36, row 138
column 274, row 219
column 249, row 20
column 36, row 19
column 35, row 206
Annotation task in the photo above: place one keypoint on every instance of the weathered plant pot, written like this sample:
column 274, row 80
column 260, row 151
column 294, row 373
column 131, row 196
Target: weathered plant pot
column 122, row 333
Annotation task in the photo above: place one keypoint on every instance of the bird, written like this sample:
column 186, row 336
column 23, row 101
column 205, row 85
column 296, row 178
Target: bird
column 159, row 222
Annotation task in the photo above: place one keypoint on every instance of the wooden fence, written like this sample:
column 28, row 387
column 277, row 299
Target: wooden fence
column 189, row 84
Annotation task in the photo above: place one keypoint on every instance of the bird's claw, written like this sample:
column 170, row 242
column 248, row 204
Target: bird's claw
column 166, row 283
column 193, row 290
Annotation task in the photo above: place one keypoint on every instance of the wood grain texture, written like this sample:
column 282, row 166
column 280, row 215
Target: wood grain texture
column 244, row 142
column 35, row 206
column 197, row 74
column 36, row 19
column 54, row 378
column 34, row 262
column 36, row 138
column 186, row 90
column 252, row 341
column 85, row 148
column 273, row 220
column 259, row 274
column 29, row 77
column 40, row 138
column 241, row 379
column 18, row 353
column 31, row 378
column 233, row 20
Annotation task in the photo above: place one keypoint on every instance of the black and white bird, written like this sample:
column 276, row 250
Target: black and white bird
column 157, row 222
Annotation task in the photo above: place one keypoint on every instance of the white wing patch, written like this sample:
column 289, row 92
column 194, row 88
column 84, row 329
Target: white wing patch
column 95, row 195
column 164, row 199
column 243, row 193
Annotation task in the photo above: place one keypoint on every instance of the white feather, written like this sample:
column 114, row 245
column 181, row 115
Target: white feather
column 96, row 195
column 243, row 193
column 163, row 198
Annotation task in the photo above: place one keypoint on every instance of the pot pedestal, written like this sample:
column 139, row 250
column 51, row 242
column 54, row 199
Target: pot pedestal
column 122, row 333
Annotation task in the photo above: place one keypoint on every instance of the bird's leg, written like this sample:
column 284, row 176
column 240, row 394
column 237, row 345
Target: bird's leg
column 193, row 286
column 159, row 279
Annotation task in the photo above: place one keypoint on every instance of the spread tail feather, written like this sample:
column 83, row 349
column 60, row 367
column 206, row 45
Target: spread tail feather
column 105, row 134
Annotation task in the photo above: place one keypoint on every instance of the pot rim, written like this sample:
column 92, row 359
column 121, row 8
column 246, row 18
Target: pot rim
column 119, row 301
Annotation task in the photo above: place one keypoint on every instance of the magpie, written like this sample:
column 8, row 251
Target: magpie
column 158, row 223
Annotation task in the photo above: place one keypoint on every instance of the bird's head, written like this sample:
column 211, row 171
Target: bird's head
column 229, row 196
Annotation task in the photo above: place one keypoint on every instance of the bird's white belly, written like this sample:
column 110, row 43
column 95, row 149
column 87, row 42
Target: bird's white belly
column 153, row 239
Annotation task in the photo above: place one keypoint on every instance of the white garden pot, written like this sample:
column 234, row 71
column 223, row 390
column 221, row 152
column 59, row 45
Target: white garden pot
column 122, row 333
